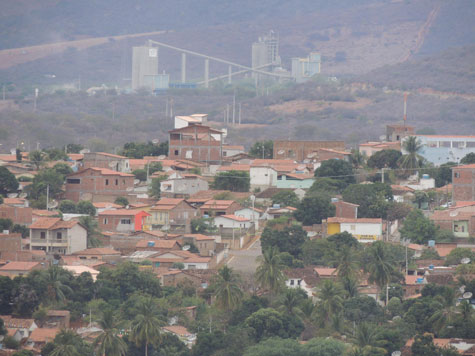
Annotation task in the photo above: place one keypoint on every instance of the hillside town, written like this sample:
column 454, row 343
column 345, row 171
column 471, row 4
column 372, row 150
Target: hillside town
column 211, row 243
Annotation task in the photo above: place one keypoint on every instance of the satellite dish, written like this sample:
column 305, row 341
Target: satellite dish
column 281, row 152
column 129, row 189
column 12, row 195
column 53, row 204
column 396, row 353
column 454, row 213
column 136, row 181
column 465, row 260
column 155, row 141
column 186, row 247
column 23, row 195
column 467, row 295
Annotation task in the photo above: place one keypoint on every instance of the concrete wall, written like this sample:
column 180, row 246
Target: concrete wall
column 463, row 184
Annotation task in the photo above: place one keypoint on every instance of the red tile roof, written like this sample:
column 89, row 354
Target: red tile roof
column 467, row 166
column 217, row 204
column 235, row 167
column 106, row 205
column 97, row 251
column 41, row 335
column 123, row 212
column 19, row 266
column 11, row 322
column 234, row 217
column 355, row 221
column 177, row 329
column 161, row 244
column 53, row 224
column 199, row 237
column 325, row 271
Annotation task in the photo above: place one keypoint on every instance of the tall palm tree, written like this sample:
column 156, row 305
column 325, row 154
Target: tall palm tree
column 411, row 160
column 366, row 338
column 145, row 327
column 226, row 289
column 380, row 267
column 290, row 302
column 55, row 286
column 269, row 272
column 65, row 344
column 349, row 286
column 330, row 302
column 346, row 263
column 109, row 343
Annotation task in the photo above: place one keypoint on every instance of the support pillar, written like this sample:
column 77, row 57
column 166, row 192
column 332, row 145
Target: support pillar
column 183, row 67
column 206, row 73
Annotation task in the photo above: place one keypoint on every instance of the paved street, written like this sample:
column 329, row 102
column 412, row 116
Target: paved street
column 244, row 261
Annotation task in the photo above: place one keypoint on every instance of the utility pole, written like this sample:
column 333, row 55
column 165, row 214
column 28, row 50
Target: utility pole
column 3, row 92
column 382, row 175
column 227, row 113
column 239, row 114
column 47, row 197
column 234, row 108
column 36, row 99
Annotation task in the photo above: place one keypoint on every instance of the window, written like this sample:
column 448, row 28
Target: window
column 191, row 266
column 291, row 282
column 176, row 152
column 457, row 174
column 43, row 234
column 445, row 144
column 299, row 281
column 459, row 144
column 225, row 153
column 73, row 181
column 105, row 221
column 125, row 222
column 470, row 144
column 59, row 235
column 107, row 181
column 116, row 182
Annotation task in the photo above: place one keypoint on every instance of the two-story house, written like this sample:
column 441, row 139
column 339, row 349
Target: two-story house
column 463, row 183
column 98, row 185
column 172, row 214
column 106, row 160
column 182, row 185
column 219, row 207
column 54, row 235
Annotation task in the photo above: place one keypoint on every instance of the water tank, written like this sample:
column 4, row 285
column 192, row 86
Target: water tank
column 431, row 243
column 334, row 200
column 150, row 243
column 276, row 206
column 425, row 176
column 420, row 280
column 431, row 267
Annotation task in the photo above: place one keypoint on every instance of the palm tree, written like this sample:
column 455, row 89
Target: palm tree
column 380, row 267
column 349, row 286
column 145, row 327
column 346, row 264
column 109, row 343
column 37, row 158
column 269, row 272
column 357, row 159
column 226, row 289
column 290, row 302
column 65, row 344
column 330, row 301
column 55, row 286
column 411, row 160
column 366, row 339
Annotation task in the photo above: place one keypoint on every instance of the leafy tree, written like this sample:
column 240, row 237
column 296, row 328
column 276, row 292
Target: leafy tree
column 325, row 186
column 357, row 159
column 23, row 353
column 93, row 233
column 262, row 149
column 155, row 187
column 457, row 254
column 6, row 287
column 418, row 228
column 269, row 272
column 5, row 224
column 371, row 198
column 155, row 167
column 285, row 198
column 73, row 148
column 323, row 347
column 203, row 226
column 290, row 239
column 385, row 159
column 235, row 181
column 145, row 328
column 10, row 343
column 362, row 308
column 397, row 211
column 469, row 158
column 67, row 207
column 268, row 322
column 68, row 343
column 24, row 299
column 37, row 158
column 121, row 201
column 140, row 174
column 109, row 342
column 63, row 168
column 55, row 154
column 86, row 207
column 411, row 160
column 44, row 178
column 313, row 209
column 18, row 155
column 336, row 169
column 140, row 149
column 424, row 346
column 276, row 346
column 8, row 182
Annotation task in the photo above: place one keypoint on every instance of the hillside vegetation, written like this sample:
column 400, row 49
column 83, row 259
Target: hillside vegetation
column 452, row 71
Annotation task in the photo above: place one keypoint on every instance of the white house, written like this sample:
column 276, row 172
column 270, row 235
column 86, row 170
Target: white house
column 263, row 177
column 18, row 328
column 179, row 184
column 252, row 214
column 184, row 121
column 304, row 278
column 232, row 222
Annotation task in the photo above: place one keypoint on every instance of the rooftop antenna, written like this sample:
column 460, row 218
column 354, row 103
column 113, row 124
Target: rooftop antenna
column 405, row 109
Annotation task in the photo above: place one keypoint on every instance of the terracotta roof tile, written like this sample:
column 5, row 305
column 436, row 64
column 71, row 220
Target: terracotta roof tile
column 123, row 212
column 44, row 223
column 234, row 217
column 97, row 251
column 355, row 221
column 41, row 335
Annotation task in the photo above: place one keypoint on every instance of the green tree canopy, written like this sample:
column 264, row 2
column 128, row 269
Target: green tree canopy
column 268, row 322
column 289, row 239
column 262, row 149
column 142, row 149
column 312, row 209
column 384, row 159
column 8, row 182
column 63, row 168
column 67, row 206
column 371, row 198
column 235, row 181
column 121, row 201
column 469, row 158
column 285, row 198
column 86, row 207
column 418, row 228
column 336, row 169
